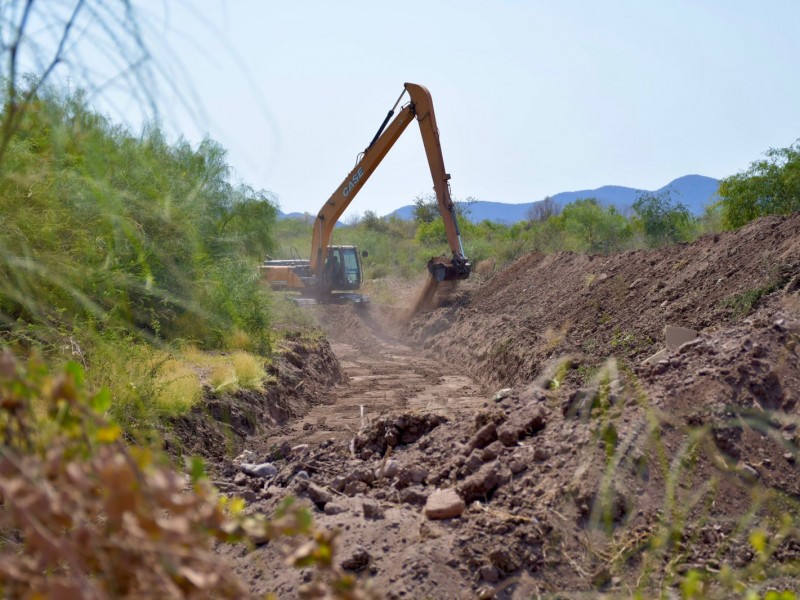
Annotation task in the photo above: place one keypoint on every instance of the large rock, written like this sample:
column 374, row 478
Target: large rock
column 443, row 504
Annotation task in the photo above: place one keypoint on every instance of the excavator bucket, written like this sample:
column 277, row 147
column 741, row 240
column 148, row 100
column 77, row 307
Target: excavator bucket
column 444, row 269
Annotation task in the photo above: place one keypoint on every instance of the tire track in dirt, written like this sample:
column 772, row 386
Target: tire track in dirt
column 383, row 375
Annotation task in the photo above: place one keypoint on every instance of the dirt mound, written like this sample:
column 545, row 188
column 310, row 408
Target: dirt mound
column 591, row 472
column 545, row 306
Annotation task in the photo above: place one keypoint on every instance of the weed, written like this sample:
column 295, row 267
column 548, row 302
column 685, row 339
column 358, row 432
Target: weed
column 743, row 304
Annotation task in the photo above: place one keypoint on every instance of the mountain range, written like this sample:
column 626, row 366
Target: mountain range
column 693, row 191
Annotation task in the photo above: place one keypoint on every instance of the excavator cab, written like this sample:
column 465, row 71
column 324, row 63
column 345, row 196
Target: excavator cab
column 342, row 269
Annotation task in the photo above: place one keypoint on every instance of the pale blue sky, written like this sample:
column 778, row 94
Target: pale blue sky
column 532, row 97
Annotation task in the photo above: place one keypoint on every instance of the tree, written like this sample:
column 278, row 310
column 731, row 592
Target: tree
column 661, row 220
column 40, row 41
column 768, row 187
column 590, row 227
column 543, row 210
column 426, row 208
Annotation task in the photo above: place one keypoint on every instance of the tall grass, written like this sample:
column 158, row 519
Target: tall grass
column 112, row 240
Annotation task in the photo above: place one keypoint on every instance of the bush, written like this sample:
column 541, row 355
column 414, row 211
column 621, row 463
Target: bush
column 768, row 187
column 84, row 515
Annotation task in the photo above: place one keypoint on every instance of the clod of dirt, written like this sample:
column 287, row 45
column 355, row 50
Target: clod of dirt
column 444, row 504
column 395, row 431
column 480, row 485
column 524, row 422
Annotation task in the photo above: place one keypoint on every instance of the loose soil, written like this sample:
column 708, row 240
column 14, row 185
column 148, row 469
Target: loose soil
column 589, row 472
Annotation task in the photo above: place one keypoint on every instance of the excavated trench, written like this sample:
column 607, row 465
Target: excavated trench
column 594, row 473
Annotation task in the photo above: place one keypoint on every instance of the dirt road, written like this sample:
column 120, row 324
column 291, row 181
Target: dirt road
column 382, row 375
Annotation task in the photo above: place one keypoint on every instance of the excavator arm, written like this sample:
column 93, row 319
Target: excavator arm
column 421, row 108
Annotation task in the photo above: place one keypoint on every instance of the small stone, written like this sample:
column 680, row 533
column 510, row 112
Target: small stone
column 489, row 573
column 789, row 457
column 249, row 496
column 240, row 479
column 263, row 470
column 301, row 475
column 443, row 504
column 299, row 449
column 337, row 483
column 334, row 508
column 358, row 560
column 318, row 495
column 355, row 487
column 389, row 469
column 748, row 471
column 517, row 466
column 372, row 510
column 501, row 394
column 413, row 496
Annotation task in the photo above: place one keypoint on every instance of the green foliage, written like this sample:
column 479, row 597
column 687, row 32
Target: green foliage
column 769, row 187
column 742, row 304
column 587, row 226
column 661, row 220
column 107, row 229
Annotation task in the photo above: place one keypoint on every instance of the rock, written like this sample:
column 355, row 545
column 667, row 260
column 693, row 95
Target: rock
column 361, row 474
column 484, row 436
column 355, row 487
column 489, row 573
column 334, row 507
column 247, row 456
column 747, row 471
column 517, row 466
column 299, row 449
column 524, row 422
column 389, row 469
column 249, row 496
column 371, row 509
column 443, row 504
column 482, row 483
column 318, row 495
column 654, row 358
column 501, row 394
column 358, row 560
column 337, row 483
column 302, row 475
column 271, row 491
column 240, row 479
column 262, row 470
column 413, row 496
column 412, row 474
column 677, row 336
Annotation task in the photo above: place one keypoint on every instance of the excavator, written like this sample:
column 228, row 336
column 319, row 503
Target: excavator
column 338, row 268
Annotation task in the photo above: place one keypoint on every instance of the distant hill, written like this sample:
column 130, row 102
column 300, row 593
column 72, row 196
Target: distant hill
column 693, row 191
